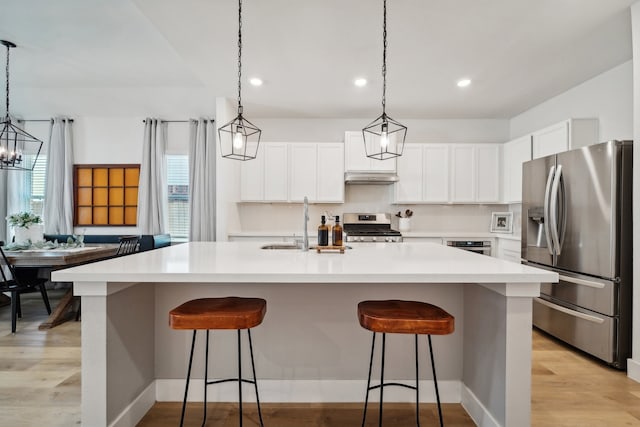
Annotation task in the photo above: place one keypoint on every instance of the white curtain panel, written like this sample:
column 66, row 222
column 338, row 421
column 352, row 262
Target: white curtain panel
column 152, row 192
column 202, row 181
column 58, row 200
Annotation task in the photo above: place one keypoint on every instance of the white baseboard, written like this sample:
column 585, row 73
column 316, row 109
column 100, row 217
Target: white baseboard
column 633, row 369
column 172, row 390
column 476, row 410
column 134, row 412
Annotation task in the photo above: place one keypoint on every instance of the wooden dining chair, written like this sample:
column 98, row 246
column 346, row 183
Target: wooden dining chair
column 10, row 282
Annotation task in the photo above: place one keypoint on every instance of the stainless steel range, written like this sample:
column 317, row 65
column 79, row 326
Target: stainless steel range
column 370, row 227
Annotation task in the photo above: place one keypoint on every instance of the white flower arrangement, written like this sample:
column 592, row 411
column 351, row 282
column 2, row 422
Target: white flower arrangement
column 24, row 219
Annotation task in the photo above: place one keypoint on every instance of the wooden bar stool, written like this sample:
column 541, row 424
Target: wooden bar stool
column 403, row 317
column 219, row 313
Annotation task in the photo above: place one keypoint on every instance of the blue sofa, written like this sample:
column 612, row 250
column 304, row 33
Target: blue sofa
column 147, row 241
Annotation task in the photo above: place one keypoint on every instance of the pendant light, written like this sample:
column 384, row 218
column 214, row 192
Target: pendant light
column 384, row 137
column 239, row 139
column 15, row 142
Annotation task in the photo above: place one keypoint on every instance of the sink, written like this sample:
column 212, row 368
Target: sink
column 280, row 246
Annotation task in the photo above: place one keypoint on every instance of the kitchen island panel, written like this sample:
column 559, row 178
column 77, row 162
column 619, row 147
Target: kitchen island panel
column 310, row 333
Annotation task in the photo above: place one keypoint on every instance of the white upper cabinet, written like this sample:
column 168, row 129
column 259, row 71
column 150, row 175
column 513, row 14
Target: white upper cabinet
column 436, row 173
column 330, row 172
column 356, row 159
column 304, row 171
column 275, row 172
column 463, row 173
column 515, row 153
column 487, row 173
column 449, row 173
column 252, row 178
column 410, row 186
column 563, row 136
column 287, row 172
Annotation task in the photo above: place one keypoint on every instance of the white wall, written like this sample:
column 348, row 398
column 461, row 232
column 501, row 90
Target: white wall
column 633, row 369
column 607, row 97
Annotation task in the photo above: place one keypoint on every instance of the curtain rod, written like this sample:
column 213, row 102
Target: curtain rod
column 42, row 120
column 177, row 121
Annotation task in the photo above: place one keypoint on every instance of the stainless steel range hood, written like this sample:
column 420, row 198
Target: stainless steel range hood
column 368, row 178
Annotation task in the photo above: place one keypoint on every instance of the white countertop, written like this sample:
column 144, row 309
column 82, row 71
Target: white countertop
column 409, row 234
column 245, row 262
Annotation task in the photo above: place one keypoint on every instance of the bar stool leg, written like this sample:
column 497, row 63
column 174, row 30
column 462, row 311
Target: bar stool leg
column 206, row 377
column 255, row 382
column 366, row 399
column 384, row 336
column 186, row 387
column 435, row 381
column 239, row 379
column 417, row 386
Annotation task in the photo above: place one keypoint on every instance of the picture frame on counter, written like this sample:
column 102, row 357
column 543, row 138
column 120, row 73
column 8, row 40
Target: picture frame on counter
column 502, row 222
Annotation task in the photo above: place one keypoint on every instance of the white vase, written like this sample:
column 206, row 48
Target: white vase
column 33, row 233
column 404, row 224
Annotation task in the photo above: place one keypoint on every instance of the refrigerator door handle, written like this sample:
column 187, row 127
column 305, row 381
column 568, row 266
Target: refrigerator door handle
column 570, row 312
column 553, row 207
column 547, row 217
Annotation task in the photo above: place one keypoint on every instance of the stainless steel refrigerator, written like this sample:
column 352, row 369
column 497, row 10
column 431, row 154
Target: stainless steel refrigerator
column 576, row 210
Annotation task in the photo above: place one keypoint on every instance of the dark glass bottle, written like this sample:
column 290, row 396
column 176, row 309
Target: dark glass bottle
column 336, row 235
column 323, row 232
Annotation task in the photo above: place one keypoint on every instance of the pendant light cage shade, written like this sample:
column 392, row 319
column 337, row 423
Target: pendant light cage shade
column 384, row 138
column 14, row 144
column 239, row 139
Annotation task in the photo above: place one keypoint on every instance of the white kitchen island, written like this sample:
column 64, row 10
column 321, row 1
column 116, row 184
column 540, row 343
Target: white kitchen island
column 310, row 347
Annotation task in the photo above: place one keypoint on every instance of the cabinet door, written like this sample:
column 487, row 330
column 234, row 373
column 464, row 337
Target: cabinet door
column 410, row 172
column 488, row 173
column 516, row 152
column 436, row 173
column 551, row 140
column 463, row 172
column 303, row 160
column 252, row 178
column 330, row 172
column 355, row 155
column 275, row 172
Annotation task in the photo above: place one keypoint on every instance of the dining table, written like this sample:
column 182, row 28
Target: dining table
column 47, row 260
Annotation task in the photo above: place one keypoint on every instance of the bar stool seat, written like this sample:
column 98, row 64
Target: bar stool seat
column 218, row 314
column 403, row 317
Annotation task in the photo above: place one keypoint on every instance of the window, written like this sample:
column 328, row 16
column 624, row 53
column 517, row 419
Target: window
column 32, row 186
column 178, row 183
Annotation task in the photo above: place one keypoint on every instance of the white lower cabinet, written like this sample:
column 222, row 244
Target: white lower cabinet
column 449, row 173
column 287, row 172
column 509, row 250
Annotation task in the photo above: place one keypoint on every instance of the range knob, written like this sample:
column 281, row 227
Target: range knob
column 361, row 239
column 388, row 239
column 374, row 238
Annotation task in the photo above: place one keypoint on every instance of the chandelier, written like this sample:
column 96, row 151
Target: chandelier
column 15, row 142
column 384, row 137
column 239, row 139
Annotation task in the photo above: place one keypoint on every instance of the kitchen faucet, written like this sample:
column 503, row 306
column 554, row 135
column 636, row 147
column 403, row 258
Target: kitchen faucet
column 305, row 221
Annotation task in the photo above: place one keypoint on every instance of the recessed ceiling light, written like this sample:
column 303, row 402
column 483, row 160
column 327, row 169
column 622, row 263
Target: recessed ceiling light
column 255, row 81
column 360, row 82
column 464, row 82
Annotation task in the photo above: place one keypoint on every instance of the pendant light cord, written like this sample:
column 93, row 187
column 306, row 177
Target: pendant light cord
column 7, row 83
column 240, row 56
column 384, row 57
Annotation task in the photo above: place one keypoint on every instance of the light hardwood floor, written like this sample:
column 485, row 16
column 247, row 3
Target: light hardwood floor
column 40, row 385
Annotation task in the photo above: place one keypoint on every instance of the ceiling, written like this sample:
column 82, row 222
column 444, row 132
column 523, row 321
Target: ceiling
column 147, row 57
